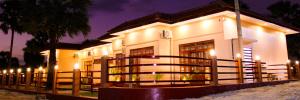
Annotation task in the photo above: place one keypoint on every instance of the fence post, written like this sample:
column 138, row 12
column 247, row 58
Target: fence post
column 54, row 80
column 297, row 70
column 239, row 64
column 18, row 80
column 76, row 80
column 104, row 72
column 289, row 72
column 11, row 78
column 214, row 68
column 130, row 70
column 259, row 69
column 28, row 78
column 39, row 79
column 4, row 78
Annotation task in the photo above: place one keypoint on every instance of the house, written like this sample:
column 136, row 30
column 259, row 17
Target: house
column 190, row 33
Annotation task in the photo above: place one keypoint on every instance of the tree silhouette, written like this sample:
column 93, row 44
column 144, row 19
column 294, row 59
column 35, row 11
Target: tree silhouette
column 56, row 18
column 32, row 55
column 4, row 58
column 10, row 17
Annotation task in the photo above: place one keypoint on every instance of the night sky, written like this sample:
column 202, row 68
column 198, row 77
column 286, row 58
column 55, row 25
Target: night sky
column 106, row 14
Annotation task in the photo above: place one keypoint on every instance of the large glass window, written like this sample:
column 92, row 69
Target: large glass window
column 198, row 50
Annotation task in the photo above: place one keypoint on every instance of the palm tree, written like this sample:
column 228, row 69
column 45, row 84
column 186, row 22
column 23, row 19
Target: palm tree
column 10, row 20
column 4, row 58
column 288, row 12
column 56, row 18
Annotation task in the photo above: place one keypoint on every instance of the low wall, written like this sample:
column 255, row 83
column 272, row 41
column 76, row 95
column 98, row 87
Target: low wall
column 173, row 92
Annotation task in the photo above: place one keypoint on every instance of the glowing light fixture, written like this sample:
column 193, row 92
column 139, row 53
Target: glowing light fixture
column 297, row 62
column 41, row 68
column 19, row 70
column 105, row 52
column 154, row 64
column 153, row 73
column 212, row 52
column 28, row 69
column 257, row 57
column 288, row 61
column 76, row 66
column 4, row 71
column 56, row 67
column 238, row 55
column 11, row 70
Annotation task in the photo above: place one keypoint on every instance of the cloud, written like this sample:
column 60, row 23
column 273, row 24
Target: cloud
column 108, row 5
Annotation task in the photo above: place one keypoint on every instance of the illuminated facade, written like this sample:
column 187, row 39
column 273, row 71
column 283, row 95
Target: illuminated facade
column 190, row 33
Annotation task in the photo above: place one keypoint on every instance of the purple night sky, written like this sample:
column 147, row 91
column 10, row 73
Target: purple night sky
column 105, row 14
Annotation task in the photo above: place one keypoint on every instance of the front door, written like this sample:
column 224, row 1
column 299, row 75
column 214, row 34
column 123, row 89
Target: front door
column 198, row 50
column 88, row 66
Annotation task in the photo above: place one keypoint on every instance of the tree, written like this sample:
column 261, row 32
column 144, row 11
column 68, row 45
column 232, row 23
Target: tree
column 10, row 20
column 288, row 12
column 56, row 18
column 32, row 56
column 4, row 58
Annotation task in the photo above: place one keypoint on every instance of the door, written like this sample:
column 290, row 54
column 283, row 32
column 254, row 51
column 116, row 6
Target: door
column 146, row 51
column 198, row 50
column 88, row 66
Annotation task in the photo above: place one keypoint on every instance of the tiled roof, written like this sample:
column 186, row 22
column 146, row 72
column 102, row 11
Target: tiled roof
column 214, row 7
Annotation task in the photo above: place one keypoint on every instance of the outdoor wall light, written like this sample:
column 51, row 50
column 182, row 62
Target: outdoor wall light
column 238, row 55
column 288, row 61
column 28, row 69
column 56, row 67
column 257, row 57
column 41, row 68
column 105, row 53
column 19, row 70
column 11, row 70
column 212, row 52
column 297, row 62
column 76, row 66
column 4, row 71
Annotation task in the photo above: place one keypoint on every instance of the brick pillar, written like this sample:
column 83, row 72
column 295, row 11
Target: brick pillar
column 104, row 72
column 4, row 78
column 214, row 71
column 289, row 72
column 259, row 70
column 54, row 91
column 28, row 78
column 297, row 70
column 18, row 80
column 76, row 82
column 39, row 81
column 10, row 78
column 240, row 70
